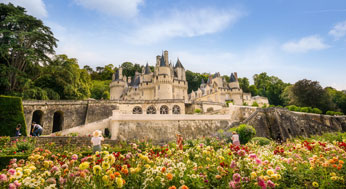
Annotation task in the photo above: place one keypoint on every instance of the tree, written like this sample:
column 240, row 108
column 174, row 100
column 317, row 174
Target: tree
column 307, row 93
column 338, row 97
column 244, row 84
column 24, row 40
column 64, row 76
column 99, row 89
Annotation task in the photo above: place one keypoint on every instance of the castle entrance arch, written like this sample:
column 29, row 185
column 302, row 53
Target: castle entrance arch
column 58, row 121
column 37, row 118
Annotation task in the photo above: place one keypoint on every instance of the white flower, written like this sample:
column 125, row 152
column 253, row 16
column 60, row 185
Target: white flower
column 182, row 182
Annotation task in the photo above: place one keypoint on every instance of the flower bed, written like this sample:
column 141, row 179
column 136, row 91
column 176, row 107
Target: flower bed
column 204, row 163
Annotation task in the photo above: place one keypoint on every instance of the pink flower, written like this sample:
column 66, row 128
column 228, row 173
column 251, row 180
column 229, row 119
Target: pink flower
column 51, row 180
column 13, row 161
column 232, row 184
column 62, row 180
column 11, row 171
column 271, row 184
column 233, row 165
column 12, row 186
column 253, row 156
column 236, row 177
column 18, row 184
column 261, row 183
column 265, row 162
column 54, row 169
column 241, row 152
column 64, row 166
column 74, row 157
column 3, row 178
column 277, row 168
column 258, row 161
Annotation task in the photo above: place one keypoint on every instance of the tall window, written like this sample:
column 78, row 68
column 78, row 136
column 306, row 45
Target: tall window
column 164, row 109
column 151, row 110
column 137, row 110
column 176, row 109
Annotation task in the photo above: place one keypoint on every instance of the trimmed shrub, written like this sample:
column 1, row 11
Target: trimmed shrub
column 261, row 140
column 245, row 104
column 264, row 105
column 271, row 106
column 255, row 104
column 246, row 132
column 304, row 109
column 197, row 111
column 11, row 114
column 334, row 113
column 316, row 111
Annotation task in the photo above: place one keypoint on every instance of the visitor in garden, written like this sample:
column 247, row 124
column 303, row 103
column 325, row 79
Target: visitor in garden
column 18, row 130
column 235, row 138
column 179, row 142
column 96, row 140
column 36, row 129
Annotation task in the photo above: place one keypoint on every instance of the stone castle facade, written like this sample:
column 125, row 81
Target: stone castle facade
column 166, row 82
column 165, row 90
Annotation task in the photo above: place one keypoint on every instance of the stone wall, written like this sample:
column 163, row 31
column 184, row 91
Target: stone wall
column 279, row 123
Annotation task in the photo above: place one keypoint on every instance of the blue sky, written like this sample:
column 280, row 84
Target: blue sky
column 290, row 39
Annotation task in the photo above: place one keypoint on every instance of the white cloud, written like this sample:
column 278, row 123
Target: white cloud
column 121, row 8
column 305, row 44
column 188, row 23
column 339, row 30
column 34, row 7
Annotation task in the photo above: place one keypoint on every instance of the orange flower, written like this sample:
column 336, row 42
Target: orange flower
column 82, row 174
column 124, row 181
column 334, row 165
column 112, row 176
column 169, row 176
column 125, row 171
column 163, row 169
column 172, row 187
column 218, row 176
column 340, row 166
column 184, row 187
column 117, row 174
column 341, row 162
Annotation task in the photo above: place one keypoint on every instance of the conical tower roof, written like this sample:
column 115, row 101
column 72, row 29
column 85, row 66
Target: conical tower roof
column 147, row 69
column 232, row 78
column 178, row 64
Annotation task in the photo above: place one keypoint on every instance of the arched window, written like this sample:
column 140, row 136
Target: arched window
column 137, row 110
column 151, row 110
column 164, row 109
column 176, row 109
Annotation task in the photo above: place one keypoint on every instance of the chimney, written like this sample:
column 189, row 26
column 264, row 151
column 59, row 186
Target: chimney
column 165, row 54
column 236, row 76
column 158, row 57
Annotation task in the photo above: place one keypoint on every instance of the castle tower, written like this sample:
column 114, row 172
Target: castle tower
column 180, row 70
column 233, row 81
column 117, row 85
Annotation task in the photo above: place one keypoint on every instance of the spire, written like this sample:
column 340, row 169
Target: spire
column 162, row 61
column 232, row 78
column 178, row 64
column 116, row 78
column 217, row 74
column 147, row 69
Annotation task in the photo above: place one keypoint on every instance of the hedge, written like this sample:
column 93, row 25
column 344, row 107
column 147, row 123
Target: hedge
column 11, row 114
column 5, row 160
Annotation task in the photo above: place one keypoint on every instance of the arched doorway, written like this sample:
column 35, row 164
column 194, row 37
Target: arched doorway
column 58, row 121
column 37, row 118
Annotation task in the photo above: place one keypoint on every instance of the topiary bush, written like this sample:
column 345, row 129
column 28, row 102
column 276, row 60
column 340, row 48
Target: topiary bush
column 334, row 113
column 197, row 111
column 261, row 140
column 316, row 111
column 255, row 104
column 11, row 114
column 246, row 132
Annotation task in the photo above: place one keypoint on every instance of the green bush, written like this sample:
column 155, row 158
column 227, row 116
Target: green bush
column 261, row 140
column 245, row 104
column 316, row 111
column 11, row 114
column 24, row 146
column 246, row 132
column 4, row 140
column 271, row 106
column 264, row 105
column 334, row 113
column 304, row 109
column 197, row 111
column 255, row 104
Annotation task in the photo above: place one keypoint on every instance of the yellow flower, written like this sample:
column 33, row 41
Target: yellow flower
column 253, row 175
column 266, row 178
column 18, row 174
column 27, row 171
column 119, row 182
column 332, row 174
column 97, row 169
column 105, row 179
column 315, row 184
column 84, row 165
column 33, row 168
column 334, row 178
column 105, row 165
column 147, row 166
column 270, row 172
column 218, row 176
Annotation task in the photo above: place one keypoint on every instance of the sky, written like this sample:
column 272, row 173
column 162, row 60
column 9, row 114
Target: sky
column 292, row 40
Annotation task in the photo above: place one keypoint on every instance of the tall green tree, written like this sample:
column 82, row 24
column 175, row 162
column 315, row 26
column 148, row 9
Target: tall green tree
column 24, row 40
column 338, row 97
column 244, row 84
column 311, row 94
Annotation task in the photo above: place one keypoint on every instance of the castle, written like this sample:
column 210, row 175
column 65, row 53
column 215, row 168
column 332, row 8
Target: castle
column 165, row 90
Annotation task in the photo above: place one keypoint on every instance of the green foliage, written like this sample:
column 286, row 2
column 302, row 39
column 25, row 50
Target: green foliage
column 11, row 114
column 244, row 84
column 334, row 113
column 245, row 104
column 255, row 104
column 307, row 93
column 304, row 109
column 316, row 111
column 261, row 140
column 4, row 140
column 197, row 111
column 24, row 146
column 264, row 105
column 100, row 89
column 25, row 41
column 246, row 132
column 338, row 97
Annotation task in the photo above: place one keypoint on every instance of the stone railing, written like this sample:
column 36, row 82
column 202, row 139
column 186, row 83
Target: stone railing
column 67, row 140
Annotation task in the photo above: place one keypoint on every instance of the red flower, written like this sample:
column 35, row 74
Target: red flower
column 14, row 152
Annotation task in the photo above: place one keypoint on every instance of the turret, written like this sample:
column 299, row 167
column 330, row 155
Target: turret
column 179, row 69
column 117, row 85
column 233, row 81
